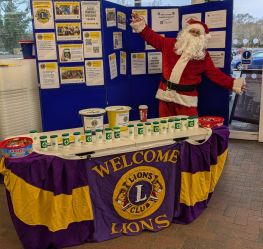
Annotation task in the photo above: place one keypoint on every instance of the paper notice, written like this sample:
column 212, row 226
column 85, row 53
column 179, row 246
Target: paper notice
column 113, row 66
column 154, row 62
column 94, row 72
column 46, row 46
column 48, row 75
column 138, row 63
column 90, row 11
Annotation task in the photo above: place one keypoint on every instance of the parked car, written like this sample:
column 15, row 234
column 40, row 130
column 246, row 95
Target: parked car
column 256, row 62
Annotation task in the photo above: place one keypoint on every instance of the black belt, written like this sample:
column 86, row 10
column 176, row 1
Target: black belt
column 179, row 87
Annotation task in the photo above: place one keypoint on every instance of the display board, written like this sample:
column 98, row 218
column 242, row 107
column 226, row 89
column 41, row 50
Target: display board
column 88, row 56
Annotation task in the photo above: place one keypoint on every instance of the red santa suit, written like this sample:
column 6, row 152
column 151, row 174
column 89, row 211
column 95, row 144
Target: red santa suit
column 178, row 69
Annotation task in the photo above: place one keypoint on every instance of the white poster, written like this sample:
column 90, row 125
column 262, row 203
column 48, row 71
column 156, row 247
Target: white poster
column 92, row 44
column 218, row 57
column 218, row 39
column 187, row 17
column 48, row 75
column 67, row 10
column 113, row 66
column 165, row 20
column 123, row 62
column 72, row 75
column 46, row 46
column 149, row 47
column 138, row 63
column 70, row 53
column 90, row 11
column 43, row 14
column 215, row 19
column 111, row 17
column 121, row 20
column 154, row 62
column 68, row 31
column 94, row 72
column 117, row 40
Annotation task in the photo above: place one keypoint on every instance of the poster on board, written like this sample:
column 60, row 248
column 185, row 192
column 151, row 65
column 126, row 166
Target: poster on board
column 68, row 31
column 67, row 10
column 46, row 46
column 72, row 75
column 94, row 72
column 48, row 75
column 90, row 14
column 70, row 53
column 92, row 44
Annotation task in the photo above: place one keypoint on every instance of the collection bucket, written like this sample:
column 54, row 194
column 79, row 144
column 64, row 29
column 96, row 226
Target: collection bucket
column 92, row 118
column 118, row 116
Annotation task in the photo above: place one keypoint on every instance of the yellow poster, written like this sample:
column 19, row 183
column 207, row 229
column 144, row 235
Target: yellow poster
column 70, row 52
column 46, row 46
column 67, row 10
column 72, row 75
column 68, row 31
column 94, row 72
column 48, row 75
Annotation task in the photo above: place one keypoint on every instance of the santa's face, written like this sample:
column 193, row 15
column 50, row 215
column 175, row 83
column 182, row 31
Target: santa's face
column 191, row 43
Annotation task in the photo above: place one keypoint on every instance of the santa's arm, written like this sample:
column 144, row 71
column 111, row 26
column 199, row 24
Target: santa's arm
column 220, row 78
column 139, row 26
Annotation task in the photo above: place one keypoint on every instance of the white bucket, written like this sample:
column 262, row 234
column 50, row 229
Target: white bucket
column 118, row 116
column 92, row 118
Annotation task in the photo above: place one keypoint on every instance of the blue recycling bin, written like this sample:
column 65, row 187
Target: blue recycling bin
column 28, row 49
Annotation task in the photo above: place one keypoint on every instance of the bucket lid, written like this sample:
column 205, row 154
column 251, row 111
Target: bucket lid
column 92, row 111
column 143, row 107
column 117, row 108
column 16, row 142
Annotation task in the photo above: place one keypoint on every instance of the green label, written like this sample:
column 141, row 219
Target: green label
column 43, row 144
column 177, row 125
column 108, row 136
column 65, row 141
column 191, row 123
column 140, row 131
column 88, row 138
column 155, row 128
column 117, row 134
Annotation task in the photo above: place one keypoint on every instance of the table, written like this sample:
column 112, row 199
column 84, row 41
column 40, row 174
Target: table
column 55, row 202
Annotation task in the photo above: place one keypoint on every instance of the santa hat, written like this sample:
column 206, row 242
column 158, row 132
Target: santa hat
column 198, row 25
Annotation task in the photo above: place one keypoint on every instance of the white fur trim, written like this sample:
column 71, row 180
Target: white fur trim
column 138, row 27
column 237, row 86
column 196, row 26
column 175, row 97
column 178, row 69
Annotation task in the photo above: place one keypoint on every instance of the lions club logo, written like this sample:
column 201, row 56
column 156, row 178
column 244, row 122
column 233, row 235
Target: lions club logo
column 43, row 15
column 139, row 193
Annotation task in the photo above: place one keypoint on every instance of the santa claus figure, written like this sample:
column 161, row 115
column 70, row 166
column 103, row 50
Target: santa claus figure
column 185, row 59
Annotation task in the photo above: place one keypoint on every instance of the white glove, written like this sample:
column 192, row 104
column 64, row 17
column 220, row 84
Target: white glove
column 138, row 23
column 239, row 85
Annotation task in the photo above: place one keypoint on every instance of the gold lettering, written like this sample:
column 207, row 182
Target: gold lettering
column 136, row 226
column 152, row 156
column 145, row 225
column 102, row 169
column 134, row 159
column 174, row 156
column 113, row 228
column 161, row 157
column 125, row 163
column 115, row 162
column 162, row 222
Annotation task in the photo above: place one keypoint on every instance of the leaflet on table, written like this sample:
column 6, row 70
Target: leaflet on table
column 165, row 20
column 187, row 17
column 94, row 72
column 121, row 20
column 43, row 14
column 117, row 40
column 218, row 39
column 68, row 31
column 154, row 62
column 218, row 57
column 67, row 10
column 70, row 52
column 111, row 17
column 46, row 46
column 141, row 12
column 123, row 62
column 138, row 63
column 149, row 47
column 48, row 75
column 113, row 66
column 90, row 12
column 92, row 44
column 72, row 75
column 216, row 19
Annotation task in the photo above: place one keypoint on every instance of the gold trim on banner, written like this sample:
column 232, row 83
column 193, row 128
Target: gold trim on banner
column 196, row 187
column 35, row 206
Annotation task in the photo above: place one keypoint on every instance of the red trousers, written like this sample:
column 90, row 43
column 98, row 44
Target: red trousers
column 171, row 109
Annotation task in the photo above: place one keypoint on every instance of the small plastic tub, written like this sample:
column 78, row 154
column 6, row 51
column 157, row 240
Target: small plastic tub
column 92, row 118
column 210, row 121
column 118, row 116
column 28, row 49
column 17, row 147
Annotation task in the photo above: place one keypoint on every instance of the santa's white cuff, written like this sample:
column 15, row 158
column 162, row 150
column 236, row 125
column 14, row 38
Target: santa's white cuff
column 138, row 27
column 237, row 85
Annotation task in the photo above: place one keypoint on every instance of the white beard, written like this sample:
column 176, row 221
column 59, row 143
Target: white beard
column 193, row 48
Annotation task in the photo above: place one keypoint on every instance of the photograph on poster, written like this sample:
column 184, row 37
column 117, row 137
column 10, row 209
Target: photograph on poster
column 121, row 20
column 70, row 52
column 138, row 63
column 123, row 62
column 218, row 39
column 165, row 20
column 46, row 46
column 216, row 19
column 218, row 57
column 90, row 14
column 48, row 75
column 67, row 10
column 187, row 17
column 94, row 72
column 43, row 14
column 68, row 31
column 111, row 17
column 113, row 66
column 154, row 62
column 117, row 40
column 92, row 44
column 72, row 75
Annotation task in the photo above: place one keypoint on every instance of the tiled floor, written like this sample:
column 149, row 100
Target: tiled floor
column 233, row 219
